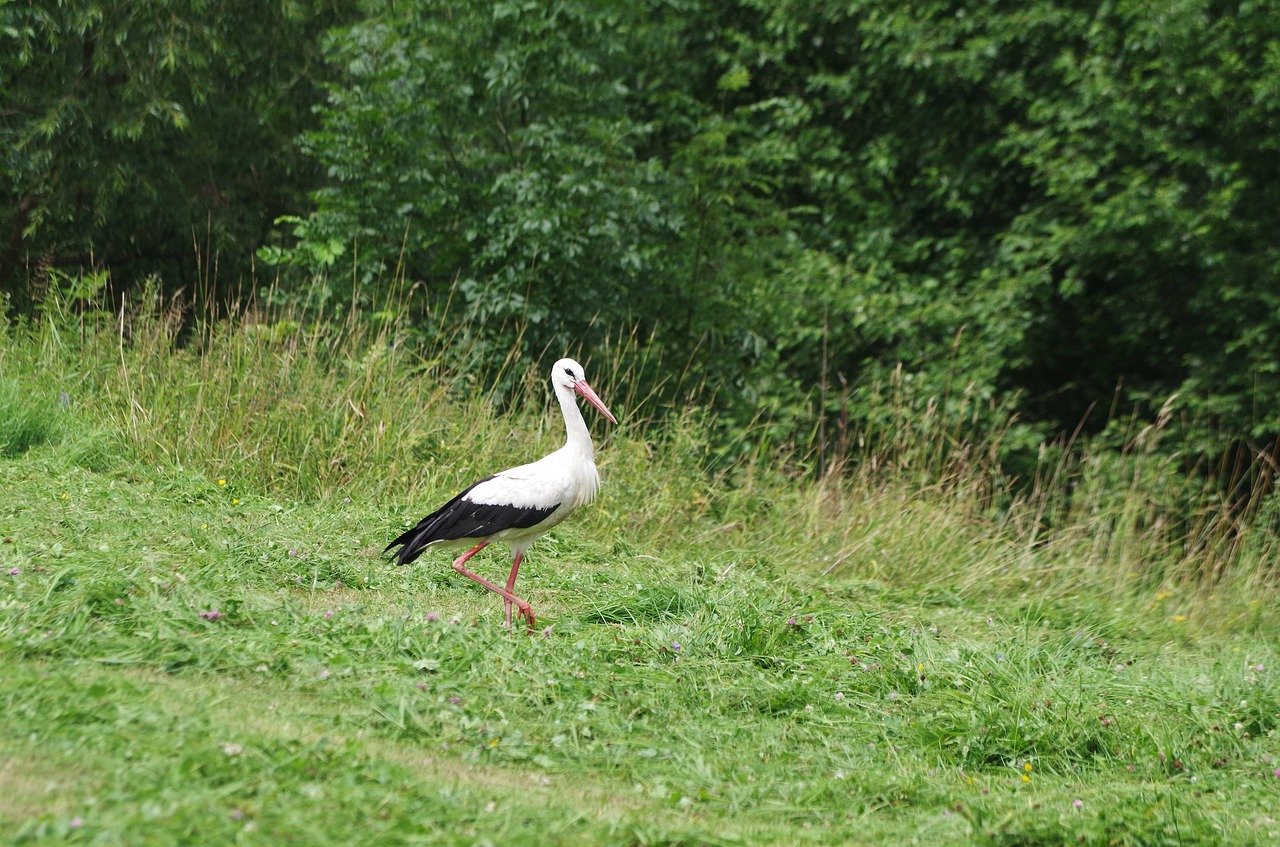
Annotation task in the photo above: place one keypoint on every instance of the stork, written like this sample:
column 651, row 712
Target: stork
column 521, row 504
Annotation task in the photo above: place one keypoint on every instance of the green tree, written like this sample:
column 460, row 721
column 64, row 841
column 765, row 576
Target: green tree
column 150, row 138
column 1043, row 200
column 1049, row 199
column 567, row 168
column 489, row 147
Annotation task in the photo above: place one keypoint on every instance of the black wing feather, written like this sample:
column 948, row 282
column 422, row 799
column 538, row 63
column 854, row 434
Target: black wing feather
column 461, row 518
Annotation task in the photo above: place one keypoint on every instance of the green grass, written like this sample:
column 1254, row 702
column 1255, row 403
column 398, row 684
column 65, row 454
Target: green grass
column 890, row 658
column 24, row 424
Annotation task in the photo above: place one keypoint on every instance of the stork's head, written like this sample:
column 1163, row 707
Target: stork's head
column 567, row 375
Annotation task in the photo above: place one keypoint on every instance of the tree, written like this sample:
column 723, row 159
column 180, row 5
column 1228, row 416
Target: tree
column 1045, row 200
column 489, row 147
column 1050, row 199
column 150, row 138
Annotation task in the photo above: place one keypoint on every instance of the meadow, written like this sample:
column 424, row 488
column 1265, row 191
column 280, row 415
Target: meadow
column 201, row 642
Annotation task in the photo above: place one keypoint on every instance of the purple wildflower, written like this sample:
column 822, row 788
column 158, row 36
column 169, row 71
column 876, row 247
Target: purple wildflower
column 211, row 615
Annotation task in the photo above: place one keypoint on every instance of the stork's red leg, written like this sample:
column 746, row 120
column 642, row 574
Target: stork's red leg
column 462, row 560
column 523, row 605
column 511, row 584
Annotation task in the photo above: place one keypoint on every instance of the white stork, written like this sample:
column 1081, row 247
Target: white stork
column 517, row 505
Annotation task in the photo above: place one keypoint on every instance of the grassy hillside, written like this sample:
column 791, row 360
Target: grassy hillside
column 199, row 638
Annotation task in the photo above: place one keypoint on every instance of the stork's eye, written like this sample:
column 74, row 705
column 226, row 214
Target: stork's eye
column 569, row 371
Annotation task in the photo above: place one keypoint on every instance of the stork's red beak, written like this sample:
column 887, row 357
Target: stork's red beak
column 585, row 390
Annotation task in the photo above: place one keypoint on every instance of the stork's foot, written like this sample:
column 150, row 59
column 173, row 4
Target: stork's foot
column 524, row 612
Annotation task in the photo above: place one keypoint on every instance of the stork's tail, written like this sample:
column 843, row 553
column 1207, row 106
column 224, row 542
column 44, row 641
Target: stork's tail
column 410, row 544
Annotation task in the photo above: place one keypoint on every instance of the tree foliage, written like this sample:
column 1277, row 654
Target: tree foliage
column 1052, row 199
column 152, row 138
column 1072, row 205
column 548, row 163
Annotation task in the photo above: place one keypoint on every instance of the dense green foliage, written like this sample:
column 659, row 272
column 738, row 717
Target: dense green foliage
column 151, row 138
column 200, row 640
column 1049, row 207
column 1052, row 200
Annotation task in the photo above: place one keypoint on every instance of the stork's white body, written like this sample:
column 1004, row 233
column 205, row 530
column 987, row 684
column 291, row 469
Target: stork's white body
column 521, row 504
column 561, row 482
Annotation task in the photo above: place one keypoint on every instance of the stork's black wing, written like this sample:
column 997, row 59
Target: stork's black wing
column 464, row 518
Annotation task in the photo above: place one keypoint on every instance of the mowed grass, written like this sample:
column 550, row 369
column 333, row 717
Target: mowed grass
column 201, row 641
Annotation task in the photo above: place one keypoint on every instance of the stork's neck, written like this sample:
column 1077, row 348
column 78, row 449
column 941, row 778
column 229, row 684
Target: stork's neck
column 577, row 438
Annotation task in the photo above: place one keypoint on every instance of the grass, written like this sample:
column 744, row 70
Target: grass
column 199, row 638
